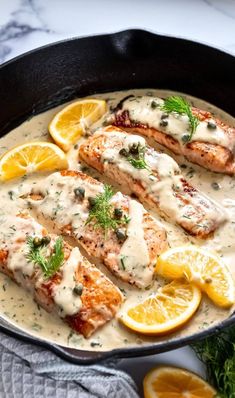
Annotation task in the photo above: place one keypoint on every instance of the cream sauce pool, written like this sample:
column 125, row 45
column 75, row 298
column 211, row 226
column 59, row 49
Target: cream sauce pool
column 17, row 305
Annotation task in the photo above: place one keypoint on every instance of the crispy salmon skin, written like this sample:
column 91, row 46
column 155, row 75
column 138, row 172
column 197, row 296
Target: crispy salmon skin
column 212, row 146
column 128, row 247
column 157, row 180
column 78, row 292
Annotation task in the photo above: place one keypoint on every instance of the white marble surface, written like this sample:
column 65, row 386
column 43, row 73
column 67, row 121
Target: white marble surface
column 27, row 24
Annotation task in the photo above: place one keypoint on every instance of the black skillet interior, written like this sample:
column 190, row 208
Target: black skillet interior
column 53, row 74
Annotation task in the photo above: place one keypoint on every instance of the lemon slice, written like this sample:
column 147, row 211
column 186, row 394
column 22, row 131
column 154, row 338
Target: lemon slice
column 201, row 267
column 172, row 306
column 171, row 382
column 31, row 157
column 69, row 124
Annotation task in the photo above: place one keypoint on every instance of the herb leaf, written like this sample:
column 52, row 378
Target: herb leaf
column 49, row 265
column 179, row 105
column 218, row 354
column 102, row 211
column 138, row 160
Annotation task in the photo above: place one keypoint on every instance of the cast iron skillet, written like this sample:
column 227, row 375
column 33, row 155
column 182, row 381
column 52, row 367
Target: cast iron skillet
column 59, row 72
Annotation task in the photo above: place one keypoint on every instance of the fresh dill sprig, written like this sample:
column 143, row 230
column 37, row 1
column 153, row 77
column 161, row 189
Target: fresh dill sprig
column 102, row 212
column 179, row 105
column 218, row 355
column 138, row 160
column 48, row 265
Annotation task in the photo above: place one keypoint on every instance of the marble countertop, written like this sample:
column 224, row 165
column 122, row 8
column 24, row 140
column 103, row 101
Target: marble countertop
column 27, row 24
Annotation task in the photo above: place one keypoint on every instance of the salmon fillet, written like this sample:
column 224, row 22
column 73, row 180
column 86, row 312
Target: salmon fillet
column 128, row 251
column 160, row 184
column 90, row 298
column 214, row 155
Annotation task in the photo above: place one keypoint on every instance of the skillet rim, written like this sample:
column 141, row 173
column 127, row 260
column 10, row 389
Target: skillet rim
column 91, row 357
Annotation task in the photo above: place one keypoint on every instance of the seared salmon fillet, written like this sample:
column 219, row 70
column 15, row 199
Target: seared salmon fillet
column 153, row 177
column 212, row 146
column 80, row 206
column 78, row 292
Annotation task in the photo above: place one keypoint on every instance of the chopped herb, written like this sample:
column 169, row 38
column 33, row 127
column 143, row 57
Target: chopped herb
column 94, row 343
column 126, row 219
column 123, row 264
column 11, row 193
column 36, row 327
column 49, row 265
column 101, row 211
column 179, row 105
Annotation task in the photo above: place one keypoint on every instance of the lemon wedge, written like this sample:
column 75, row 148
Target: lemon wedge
column 31, row 157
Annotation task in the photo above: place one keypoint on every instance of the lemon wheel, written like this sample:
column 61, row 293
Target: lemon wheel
column 170, row 308
column 171, row 382
column 71, row 122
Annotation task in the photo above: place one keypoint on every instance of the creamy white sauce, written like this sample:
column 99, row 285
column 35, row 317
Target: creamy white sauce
column 17, row 305
column 60, row 203
column 161, row 187
column 62, row 206
column 63, row 294
column 12, row 238
column 134, row 254
column 142, row 111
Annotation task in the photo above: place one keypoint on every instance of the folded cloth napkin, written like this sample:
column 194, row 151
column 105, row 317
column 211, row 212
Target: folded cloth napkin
column 29, row 371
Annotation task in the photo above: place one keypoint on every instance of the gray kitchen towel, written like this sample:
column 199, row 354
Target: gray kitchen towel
column 29, row 371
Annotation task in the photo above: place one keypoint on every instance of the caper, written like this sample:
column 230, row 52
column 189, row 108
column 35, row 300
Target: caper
column 163, row 123
column 78, row 289
column 123, row 152
column 121, row 234
column 91, row 201
column 37, row 241
column 215, row 186
column 211, row 126
column 79, row 192
column 118, row 213
column 154, row 105
column 186, row 138
column 134, row 149
column 45, row 240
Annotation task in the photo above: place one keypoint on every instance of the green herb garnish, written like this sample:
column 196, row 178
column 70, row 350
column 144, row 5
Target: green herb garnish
column 218, row 355
column 36, row 254
column 102, row 213
column 137, row 160
column 179, row 105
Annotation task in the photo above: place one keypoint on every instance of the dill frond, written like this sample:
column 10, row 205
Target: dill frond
column 179, row 105
column 138, row 160
column 218, row 355
column 36, row 255
column 101, row 213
